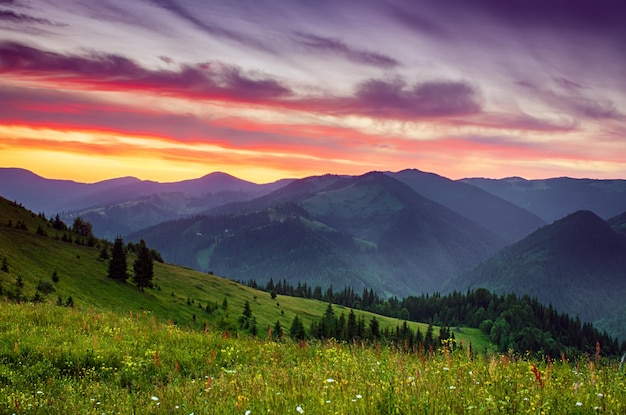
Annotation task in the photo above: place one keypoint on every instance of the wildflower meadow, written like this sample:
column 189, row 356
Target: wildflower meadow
column 71, row 361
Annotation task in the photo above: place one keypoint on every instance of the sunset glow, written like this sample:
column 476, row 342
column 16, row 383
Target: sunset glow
column 169, row 90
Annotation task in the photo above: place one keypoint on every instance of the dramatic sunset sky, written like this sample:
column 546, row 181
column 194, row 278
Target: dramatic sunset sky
column 265, row 89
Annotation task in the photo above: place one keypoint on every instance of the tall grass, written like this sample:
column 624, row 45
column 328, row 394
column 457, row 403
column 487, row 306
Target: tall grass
column 60, row 360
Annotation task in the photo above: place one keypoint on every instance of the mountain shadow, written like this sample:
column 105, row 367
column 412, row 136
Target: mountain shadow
column 555, row 198
column 499, row 216
column 577, row 264
column 369, row 231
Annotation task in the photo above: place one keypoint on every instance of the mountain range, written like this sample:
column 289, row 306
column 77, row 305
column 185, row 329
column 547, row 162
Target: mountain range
column 399, row 233
column 555, row 198
column 577, row 264
column 123, row 205
column 370, row 231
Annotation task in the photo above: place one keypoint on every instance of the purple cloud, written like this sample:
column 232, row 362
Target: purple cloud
column 412, row 15
column 375, row 98
column 166, row 59
column 212, row 29
column 114, row 72
column 340, row 48
column 11, row 16
column 396, row 99
column 567, row 84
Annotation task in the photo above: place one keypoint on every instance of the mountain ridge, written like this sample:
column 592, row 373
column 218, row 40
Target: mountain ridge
column 371, row 229
column 554, row 198
column 576, row 260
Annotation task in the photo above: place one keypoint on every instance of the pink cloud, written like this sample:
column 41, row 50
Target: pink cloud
column 375, row 98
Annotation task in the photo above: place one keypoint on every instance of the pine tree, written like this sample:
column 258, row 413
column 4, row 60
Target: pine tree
column 351, row 326
column 247, row 321
column 117, row 264
column 297, row 331
column 82, row 227
column 58, row 224
column 143, row 267
column 247, row 311
column 104, row 253
column 277, row 331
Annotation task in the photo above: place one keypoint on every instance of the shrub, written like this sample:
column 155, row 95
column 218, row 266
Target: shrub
column 45, row 287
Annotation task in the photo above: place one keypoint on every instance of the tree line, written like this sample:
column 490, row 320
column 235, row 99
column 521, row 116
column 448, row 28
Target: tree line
column 517, row 323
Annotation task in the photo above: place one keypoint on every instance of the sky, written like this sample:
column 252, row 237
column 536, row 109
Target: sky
column 169, row 90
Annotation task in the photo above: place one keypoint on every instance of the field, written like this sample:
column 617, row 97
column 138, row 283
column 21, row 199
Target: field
column 182, row 295
column 63, row 360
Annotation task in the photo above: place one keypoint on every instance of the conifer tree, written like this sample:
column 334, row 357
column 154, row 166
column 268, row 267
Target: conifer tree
column 277, row 331
column 82, row 227
column 351, row 326
column 297, row 331
column 104, row 253
column 117, row 264
column 143, row 267
column 58, row 224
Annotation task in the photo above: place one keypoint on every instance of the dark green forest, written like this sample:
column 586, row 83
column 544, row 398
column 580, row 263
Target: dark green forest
column 514, row 323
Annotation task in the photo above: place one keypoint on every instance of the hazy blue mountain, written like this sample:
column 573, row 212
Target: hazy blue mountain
column 500, row 216
column 294, row 191
column 552, row 199
column 119, row 206
column 50, row 195
column 577, row 264
column 368, row 231
column 618, row 223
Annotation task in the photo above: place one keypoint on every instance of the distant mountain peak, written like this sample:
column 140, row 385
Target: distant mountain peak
column 576, row 259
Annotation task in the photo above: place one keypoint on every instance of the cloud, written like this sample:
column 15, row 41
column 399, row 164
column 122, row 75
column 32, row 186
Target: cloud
column 212, row 29
column 11, row 16
column 166, row 59
column 520, row 121
column 337, row 47
column 568, row 84
column 411, row 14
column 100, row 71
column 396, row 99
column 575, row 99
column 228, row 83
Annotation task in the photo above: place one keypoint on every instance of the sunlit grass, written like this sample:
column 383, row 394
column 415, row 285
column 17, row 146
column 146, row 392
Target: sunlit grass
column 61, row 360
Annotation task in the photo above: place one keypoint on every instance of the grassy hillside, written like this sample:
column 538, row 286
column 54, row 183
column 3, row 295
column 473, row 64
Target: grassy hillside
column 56, row 360
column 181, row 296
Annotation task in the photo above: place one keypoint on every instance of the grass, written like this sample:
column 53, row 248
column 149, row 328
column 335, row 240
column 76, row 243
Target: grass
column 121, row 351
column 62, row 360
column 182, row 294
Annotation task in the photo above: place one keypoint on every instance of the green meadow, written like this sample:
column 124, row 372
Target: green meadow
column 175, row 349
column 63, row 360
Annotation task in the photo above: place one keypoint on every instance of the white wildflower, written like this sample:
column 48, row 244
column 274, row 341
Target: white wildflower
column 299, row 409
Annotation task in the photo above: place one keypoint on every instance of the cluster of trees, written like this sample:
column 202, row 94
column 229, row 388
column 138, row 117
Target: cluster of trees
column 143, row 266
column 513, row 323
column 81, row 232
column 350, row 328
